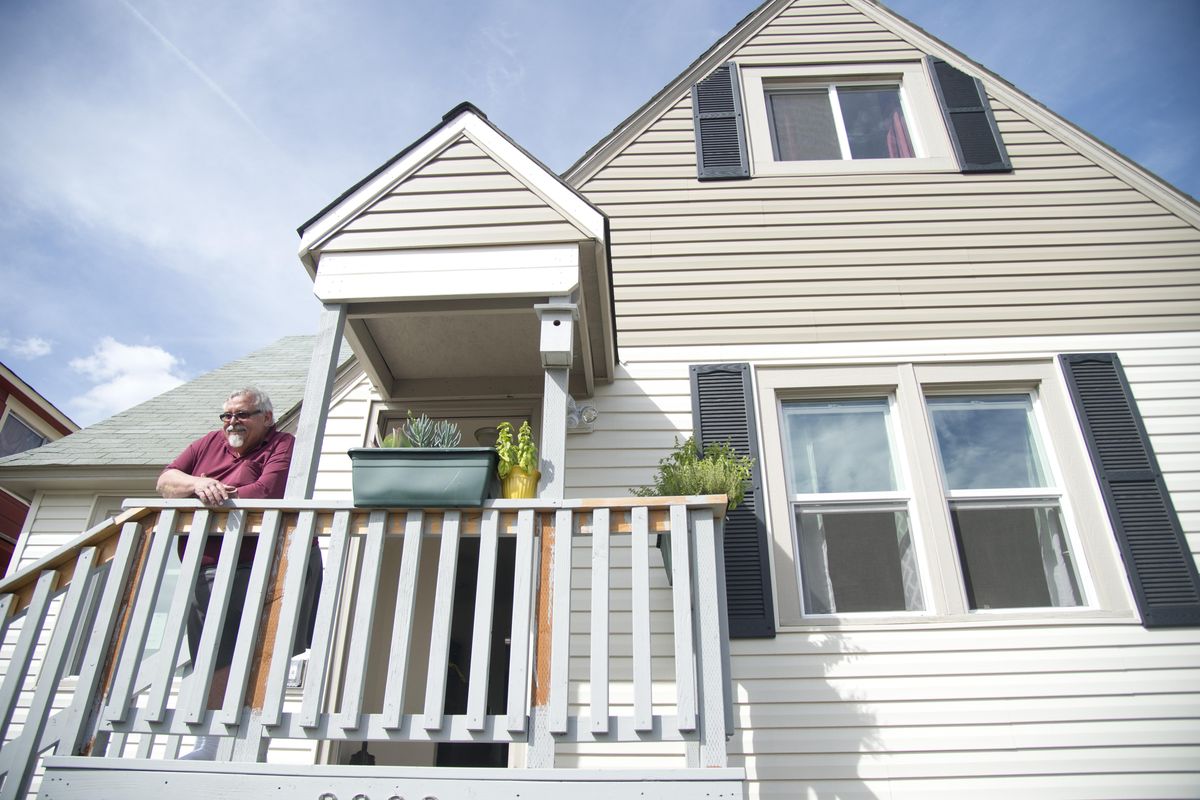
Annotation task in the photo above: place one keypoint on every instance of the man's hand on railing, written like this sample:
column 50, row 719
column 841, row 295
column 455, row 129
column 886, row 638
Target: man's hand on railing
column 176, row 484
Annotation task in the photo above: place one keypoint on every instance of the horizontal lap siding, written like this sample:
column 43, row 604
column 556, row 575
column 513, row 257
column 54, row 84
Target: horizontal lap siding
column 1059, row 246
column 460, row 198
column 926, row 710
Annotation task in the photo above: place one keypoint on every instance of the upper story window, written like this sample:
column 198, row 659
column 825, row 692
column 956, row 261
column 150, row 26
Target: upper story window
column 845, row 118
column 838, row 121
column 17, row 436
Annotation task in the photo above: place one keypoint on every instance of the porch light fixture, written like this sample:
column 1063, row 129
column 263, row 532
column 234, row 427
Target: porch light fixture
column 580, row 419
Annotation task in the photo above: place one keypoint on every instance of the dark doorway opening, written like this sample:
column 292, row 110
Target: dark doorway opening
column 470, row 754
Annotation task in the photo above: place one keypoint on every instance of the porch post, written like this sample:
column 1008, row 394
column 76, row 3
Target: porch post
column 310, row 431
column 557, row 351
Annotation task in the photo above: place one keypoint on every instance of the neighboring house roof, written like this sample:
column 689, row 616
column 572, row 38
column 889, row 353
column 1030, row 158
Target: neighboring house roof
column 154, row 432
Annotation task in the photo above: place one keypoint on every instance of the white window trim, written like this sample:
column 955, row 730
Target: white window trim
column 1097, row 562
column 926, row 128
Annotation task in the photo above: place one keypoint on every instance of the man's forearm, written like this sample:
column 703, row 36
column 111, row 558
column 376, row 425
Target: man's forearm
column 174, row 483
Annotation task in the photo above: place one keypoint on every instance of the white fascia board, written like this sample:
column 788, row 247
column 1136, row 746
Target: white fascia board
column 335, row 218
column 448, row 273
column 546, row 184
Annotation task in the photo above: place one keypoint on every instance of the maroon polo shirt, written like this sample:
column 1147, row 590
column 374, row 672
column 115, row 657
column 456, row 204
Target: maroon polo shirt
column 259, row 474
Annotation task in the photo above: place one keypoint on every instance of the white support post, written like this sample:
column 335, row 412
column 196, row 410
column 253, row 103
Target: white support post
column 557, row 352
column 311, row 430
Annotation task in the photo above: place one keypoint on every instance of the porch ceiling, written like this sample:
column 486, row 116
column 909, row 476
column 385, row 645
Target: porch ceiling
column 449, row 349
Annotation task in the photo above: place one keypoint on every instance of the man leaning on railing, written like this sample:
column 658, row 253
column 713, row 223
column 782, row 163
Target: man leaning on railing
column 245, row 459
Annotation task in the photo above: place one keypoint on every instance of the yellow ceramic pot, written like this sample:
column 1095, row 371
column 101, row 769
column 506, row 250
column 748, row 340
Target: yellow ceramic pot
column 520, row 485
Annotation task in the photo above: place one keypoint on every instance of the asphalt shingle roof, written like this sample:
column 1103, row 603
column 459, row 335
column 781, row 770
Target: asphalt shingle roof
column 154, row 432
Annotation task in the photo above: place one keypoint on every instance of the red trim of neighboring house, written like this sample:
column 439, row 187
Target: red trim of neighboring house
column 7, row 387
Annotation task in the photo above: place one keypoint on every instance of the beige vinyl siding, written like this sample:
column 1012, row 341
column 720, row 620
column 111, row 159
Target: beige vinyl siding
column 461, row 197
column 345, row 427
column 1062, row 706
column 1059, row 246
column 56, row 519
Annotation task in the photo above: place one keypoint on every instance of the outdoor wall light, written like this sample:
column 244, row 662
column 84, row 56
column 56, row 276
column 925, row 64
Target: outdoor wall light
column 580, row 419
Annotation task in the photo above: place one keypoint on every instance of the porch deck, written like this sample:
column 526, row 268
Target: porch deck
column 96, row 687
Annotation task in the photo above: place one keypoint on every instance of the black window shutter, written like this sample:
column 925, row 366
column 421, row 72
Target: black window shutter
column 968, row 115
column 723, row 411
column 1161, row 569
column 720, row 129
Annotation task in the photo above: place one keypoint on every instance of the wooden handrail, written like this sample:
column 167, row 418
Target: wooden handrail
column 102, row 536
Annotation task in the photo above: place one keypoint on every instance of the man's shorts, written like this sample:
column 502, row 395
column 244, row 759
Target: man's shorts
column 202, row 593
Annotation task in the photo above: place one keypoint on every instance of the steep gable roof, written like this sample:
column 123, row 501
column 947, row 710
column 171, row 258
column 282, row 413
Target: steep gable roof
column 892, row 29
column 464, row 152
column 154, row 432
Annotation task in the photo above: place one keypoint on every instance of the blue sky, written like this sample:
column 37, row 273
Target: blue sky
column 156, row 156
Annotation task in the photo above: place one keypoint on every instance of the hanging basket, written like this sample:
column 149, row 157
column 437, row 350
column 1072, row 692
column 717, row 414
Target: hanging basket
column 520, row 485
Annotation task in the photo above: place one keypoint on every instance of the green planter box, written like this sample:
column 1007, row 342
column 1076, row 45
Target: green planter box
column 422, row 477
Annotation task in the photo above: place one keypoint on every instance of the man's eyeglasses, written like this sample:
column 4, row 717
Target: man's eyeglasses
column 240, row 416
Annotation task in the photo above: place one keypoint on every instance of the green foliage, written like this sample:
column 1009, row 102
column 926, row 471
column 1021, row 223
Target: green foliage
column 522, row 453
column 684, row 472
column 424, row 432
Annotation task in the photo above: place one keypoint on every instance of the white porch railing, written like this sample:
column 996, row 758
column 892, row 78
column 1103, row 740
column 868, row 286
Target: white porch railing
column 78, row 680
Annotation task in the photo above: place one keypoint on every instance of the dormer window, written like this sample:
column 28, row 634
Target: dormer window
column 851, row 118
column 837, row 122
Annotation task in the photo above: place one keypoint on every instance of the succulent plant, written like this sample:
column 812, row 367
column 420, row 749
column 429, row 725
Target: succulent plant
column 424, row 432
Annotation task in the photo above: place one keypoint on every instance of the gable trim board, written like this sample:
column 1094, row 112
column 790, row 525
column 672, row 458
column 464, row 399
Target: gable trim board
column 1084, row 143
column 1160, row 569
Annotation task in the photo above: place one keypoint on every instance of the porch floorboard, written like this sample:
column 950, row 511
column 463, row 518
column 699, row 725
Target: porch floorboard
column 75, row 777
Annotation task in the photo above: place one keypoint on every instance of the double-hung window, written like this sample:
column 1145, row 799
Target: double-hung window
column 930, row 490
column 1003, row 502
column 850, row 511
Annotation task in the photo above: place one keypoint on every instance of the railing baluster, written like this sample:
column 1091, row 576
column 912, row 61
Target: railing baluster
column 518, row 656
column 362, row 626
column 439, row 640
column 560, row 631
column 18, row 666
column 481, row 635
column 23, row 751
column 331, row 592
column 251, row 612
column 160, row 686
column 406, row 598
column 139, row 624
column 681, row 596
column 193, row 695
column 599, row 642
column 299, row 551
column 643, row 711
column 708, row 633
column 107, row 614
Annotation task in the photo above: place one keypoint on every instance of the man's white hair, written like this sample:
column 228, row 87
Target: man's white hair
column 256, row 396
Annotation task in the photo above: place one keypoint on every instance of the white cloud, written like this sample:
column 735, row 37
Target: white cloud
column 30, row 347
column 125, row 375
